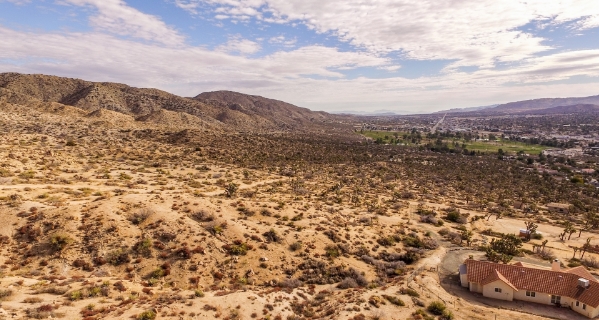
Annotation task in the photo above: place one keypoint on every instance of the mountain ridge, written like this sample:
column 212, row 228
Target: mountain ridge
column 219, row 110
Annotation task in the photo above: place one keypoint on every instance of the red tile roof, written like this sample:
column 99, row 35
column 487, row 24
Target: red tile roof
column 559, row 283
column 494, row 276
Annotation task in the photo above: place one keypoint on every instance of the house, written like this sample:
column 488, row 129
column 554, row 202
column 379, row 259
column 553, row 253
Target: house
column 558, row 207
column 575, row 288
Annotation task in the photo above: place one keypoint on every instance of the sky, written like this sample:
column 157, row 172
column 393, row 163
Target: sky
column 404, row 56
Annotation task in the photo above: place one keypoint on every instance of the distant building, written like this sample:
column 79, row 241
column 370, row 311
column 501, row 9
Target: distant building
column 558, row 207
column 575, row 288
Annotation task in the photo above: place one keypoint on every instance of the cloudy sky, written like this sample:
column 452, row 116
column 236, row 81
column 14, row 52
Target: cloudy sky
column 334, row 55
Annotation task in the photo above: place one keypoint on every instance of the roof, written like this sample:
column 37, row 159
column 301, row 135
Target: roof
column 559, row 283
column 581, row 272
column 495, row 276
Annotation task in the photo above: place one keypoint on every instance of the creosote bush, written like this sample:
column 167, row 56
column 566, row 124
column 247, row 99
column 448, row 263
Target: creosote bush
column 436, row 308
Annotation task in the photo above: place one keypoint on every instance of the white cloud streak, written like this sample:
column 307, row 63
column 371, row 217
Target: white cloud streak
column 473, row 32
column 115, row 16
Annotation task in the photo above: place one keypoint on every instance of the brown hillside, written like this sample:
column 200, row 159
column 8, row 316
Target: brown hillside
column 218, row 110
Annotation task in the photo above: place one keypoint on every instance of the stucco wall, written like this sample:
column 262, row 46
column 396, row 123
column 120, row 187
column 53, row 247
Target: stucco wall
column 538, row 298
column 589, row 312
column 507, row 293
column 464, row 280
column 475, row 287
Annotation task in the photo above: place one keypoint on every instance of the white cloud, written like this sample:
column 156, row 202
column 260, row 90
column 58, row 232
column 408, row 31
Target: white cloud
column 283, row 41
column 238, row 45
column 117, row 17
column 17, row 2
column 473, row 32
column 313, row 72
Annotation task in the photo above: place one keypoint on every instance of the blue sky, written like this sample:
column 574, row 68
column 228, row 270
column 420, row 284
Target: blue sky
column 338, row 55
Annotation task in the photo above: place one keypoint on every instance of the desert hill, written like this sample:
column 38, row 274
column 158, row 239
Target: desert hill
column 545, row 103
column 215, row 110
column 578, row 108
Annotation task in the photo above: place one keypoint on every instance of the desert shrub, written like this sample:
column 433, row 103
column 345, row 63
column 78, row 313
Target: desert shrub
column 295, row 246
column 144, row 247
column 215, row 227
column 447, row 315
column 410, row 292
column 118, row 257
column 332, row 235
column 272, row 236
column 546, row 254
column 141, row 215
column 436, row 308
column 76, row 295
column 413, row 241
column 590, row 262
column 60, row 241
column 5, row 294
column 454, row 215
column 32, row 300
column 358, row 276
column 199, row 294
column 147, row 315
column 429, row 219
column 202, row 216
column 394, row 300
column 5, row 173
column 183, row 253
column 52, row 290
column 332, row 251
column 348, row 283
column 386, row 241
column 237, row 249
column 290, row 283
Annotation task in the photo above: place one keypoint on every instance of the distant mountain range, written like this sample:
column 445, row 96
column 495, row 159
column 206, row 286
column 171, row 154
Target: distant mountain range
column 536, row 106
column 471, row 109
column 577, row 108
column 221, row 110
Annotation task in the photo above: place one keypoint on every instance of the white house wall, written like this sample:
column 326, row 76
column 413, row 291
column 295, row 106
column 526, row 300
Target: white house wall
column 507, row 293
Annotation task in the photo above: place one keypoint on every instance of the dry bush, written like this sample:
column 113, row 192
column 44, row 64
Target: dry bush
column 141, row 215
column 591, row 262
column 202, row 216
column 290, row 283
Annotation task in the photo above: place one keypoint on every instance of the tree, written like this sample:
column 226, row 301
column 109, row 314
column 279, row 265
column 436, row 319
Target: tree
column 575, row 250
column 508, row 244
column 568, row 229
column 231, row 189
column 590, row 221
column 585, row 247
column 531, row 228
column 466, row 235
column 570, row 232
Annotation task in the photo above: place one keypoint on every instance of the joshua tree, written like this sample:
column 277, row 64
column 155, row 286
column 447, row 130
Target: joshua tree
column 571, row 231
column 585, row 247
column 466, row 235
column 231, row 189
column 531, row 228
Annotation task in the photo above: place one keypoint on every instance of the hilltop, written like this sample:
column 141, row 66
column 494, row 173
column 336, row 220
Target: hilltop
column 221, row 110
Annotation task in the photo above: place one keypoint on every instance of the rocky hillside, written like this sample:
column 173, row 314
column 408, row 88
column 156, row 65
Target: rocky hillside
column 216, row 110
column 273, row 112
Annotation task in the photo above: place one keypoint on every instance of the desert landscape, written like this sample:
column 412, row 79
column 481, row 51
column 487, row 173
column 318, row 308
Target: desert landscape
column 120, row 203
